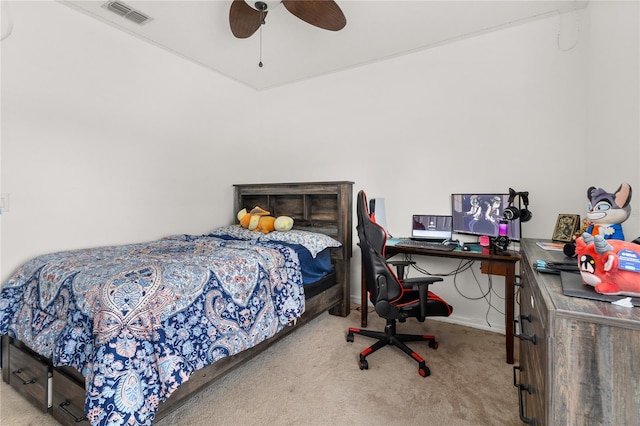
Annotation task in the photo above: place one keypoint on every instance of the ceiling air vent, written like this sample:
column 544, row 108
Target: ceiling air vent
column 128, row 12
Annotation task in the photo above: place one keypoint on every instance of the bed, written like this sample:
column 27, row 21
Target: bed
column 126, row 334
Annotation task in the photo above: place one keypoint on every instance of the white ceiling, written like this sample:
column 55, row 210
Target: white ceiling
column 293, row 50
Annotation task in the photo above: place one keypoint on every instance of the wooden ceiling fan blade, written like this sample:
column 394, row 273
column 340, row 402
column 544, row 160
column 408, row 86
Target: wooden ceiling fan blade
column 324, row 14
column 243, row 19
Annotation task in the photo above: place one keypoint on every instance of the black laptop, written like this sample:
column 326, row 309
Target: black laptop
column 431, row 231
column 573, row 286
column 431, row 228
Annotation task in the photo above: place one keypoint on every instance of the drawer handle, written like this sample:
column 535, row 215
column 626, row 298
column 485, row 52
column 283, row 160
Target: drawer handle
column 24, row 382
column 63, row 406
column 515, row 367
column 522, row 336
column 522, row 388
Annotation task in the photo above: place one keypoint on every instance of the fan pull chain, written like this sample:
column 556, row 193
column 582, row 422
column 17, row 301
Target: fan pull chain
column 260, row 63
column 261, row 25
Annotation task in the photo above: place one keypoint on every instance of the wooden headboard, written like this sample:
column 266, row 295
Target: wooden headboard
column 323, row 207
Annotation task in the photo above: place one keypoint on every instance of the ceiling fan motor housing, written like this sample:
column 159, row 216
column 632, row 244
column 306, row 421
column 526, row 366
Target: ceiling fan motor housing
column 263, row 5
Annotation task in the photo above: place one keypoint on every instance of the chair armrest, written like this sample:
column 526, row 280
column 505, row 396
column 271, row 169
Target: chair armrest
column 415, row 283
column 401, row 262
column 422, row 283
column 400, row 265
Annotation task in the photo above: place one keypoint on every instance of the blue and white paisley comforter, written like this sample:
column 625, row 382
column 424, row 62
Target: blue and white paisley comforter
column 139, row 320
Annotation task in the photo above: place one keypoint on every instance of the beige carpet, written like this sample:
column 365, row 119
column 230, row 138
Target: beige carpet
column 311, row 377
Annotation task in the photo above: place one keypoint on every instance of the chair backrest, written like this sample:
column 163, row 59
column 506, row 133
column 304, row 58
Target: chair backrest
column 382, row 283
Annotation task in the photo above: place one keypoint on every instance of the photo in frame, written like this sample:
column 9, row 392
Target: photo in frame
column 566, row 227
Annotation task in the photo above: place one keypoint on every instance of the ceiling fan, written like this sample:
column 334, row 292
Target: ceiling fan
column 245, row 17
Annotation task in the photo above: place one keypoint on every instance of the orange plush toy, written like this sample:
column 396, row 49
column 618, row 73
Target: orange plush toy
column 260, row 220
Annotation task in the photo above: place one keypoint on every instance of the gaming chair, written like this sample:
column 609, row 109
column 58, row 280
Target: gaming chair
column 393, row 299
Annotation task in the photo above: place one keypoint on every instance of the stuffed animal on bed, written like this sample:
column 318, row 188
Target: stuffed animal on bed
column 610, row 266
column 605, row 214
column 260, row 220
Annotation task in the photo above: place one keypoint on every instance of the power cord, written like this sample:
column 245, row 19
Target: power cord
column 491, row 291
column 463, row 266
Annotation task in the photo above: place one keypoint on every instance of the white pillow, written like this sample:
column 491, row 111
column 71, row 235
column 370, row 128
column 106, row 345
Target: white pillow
column 312, row 241
column 236, row 231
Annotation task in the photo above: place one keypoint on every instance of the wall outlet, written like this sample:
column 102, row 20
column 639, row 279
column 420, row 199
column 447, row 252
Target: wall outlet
column 4, row 203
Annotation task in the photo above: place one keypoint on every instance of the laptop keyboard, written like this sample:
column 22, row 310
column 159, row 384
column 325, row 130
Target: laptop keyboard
column 426, row 245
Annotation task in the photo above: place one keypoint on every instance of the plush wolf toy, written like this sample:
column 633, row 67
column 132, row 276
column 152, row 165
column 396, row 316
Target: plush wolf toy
column 608, row 211
column 605, row 214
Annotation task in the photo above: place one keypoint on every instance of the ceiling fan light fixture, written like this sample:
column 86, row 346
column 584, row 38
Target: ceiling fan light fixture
column 263, row 5
column 247, row 16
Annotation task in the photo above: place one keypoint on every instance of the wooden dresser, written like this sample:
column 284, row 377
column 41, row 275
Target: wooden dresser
column 579, row 359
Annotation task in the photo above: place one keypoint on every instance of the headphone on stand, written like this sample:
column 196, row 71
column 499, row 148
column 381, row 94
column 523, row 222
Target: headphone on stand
column 512, row 212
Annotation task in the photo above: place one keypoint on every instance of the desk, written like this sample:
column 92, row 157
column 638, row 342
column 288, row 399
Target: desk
column 504, row 265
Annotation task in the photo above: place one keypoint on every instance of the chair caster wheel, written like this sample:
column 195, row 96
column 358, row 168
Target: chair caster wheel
column 349, row 337
column 363, row 364
column 424, row 371
column 433, row 344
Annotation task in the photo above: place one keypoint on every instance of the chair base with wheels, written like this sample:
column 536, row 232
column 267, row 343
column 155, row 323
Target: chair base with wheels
column 390, row 337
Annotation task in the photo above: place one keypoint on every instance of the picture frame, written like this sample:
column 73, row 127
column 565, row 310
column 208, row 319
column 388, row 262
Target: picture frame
column 566, row 227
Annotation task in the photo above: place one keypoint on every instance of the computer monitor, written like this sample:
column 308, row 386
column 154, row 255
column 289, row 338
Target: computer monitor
column 480, row 214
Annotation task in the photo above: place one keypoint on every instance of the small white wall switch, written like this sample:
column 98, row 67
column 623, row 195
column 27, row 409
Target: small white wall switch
column 4, row 203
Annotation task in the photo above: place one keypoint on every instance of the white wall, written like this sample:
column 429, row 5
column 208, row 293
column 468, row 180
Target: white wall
column 613, row 121
column 109, row 140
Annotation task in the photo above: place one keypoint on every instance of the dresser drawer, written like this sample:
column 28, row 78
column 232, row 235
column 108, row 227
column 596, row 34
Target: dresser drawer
column 533, row 361
column 68, row 400
column 30, row 376
column 533, row 346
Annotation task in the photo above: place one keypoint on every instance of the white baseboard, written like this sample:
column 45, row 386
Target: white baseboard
column 466, row 322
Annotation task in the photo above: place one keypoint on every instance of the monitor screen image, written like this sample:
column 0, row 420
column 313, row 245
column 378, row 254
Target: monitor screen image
column 480, row 214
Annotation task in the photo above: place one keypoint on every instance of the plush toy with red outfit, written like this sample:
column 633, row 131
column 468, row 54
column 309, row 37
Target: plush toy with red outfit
column 610, row 266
